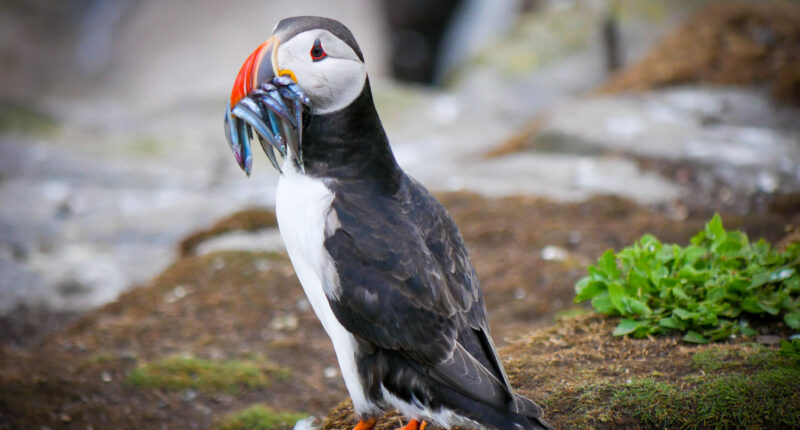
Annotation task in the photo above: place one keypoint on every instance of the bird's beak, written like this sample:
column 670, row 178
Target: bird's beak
column 254, row 70
column 260, row 100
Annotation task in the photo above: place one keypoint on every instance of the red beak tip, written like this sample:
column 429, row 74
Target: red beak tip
column 244, row 80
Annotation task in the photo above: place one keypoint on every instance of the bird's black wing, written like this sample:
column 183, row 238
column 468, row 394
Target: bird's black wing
column 405, row 283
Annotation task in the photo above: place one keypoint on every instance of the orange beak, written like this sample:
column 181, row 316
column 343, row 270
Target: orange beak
column 247, row 79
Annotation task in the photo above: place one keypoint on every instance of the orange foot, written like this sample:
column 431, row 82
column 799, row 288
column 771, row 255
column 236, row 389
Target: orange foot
column 366, row 424
column 414, row 425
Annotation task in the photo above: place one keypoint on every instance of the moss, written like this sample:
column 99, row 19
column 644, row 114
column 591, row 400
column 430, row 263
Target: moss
column 743, row 357
column 179, row 373
column 258, row 417
column 766, row 399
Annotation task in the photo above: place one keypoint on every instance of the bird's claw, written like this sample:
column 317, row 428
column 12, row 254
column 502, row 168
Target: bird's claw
column 275, row 112
column 367, row 424
column 414, row 425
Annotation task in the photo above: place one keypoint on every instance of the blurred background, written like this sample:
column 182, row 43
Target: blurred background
column 112, row 147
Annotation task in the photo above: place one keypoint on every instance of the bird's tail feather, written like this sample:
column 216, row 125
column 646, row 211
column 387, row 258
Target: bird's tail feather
column 539, row 423
column 531, row 412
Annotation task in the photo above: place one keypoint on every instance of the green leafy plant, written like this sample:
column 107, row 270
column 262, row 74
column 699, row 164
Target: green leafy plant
column 791, row 348
column 707, row 289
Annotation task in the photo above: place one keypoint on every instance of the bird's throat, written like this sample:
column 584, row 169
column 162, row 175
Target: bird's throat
column 350, row 143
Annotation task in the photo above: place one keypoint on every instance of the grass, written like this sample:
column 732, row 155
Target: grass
column 258, row 417
column 750, row 387
column 178, row 373
column 754, row 356
column 764, row 399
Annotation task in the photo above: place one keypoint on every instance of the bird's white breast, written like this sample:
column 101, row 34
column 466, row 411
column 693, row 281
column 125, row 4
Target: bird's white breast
column 303, row 207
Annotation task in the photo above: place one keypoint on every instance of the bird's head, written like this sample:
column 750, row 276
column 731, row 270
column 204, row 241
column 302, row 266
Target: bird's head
column 319, row 54
column 310, row 64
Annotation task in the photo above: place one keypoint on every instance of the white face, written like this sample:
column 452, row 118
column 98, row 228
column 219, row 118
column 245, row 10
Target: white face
column 332, row 82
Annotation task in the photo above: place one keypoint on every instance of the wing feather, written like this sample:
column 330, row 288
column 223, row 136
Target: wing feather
column 406, row 284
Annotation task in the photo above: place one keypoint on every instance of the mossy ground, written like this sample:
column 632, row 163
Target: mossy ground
column 178, row 373
column 763, row 399
column 259, row 417
column 734, row 385
column 232, row 307
column 586, row 378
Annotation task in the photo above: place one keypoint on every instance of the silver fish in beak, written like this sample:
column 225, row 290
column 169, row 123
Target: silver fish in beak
column 267, row 100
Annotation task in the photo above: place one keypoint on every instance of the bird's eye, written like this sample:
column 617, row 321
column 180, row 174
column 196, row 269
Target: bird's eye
column 317, row 53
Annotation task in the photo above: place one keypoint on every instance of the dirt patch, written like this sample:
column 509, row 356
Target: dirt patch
column 222, row 306
column 25, row 326
column 528, row 253
column 724, row 43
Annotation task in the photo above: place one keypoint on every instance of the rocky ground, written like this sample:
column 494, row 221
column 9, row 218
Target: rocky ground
column 96, row 201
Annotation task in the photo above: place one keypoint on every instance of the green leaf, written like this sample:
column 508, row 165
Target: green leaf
column 586, row 289
column 627, row 326
column 616, row 293
column 729, row 246
column 673, row 323
column 752, row 305
column 715, row 294
column 635, row 307
column 714, row 228
column 603, row 304
column 699, row 238
column 679, row 293
column 768, row 308
column 684, row 314
column 608, row 264
column 791, row 348
column 792, row 319
column 638, row 283
column 694, row 337
column 693, row 253
column 658, row 275
column 759, row 279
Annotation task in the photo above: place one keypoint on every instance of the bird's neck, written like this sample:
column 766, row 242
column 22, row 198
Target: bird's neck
column 350, row 144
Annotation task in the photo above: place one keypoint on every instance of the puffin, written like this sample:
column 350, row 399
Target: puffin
column 381, row 261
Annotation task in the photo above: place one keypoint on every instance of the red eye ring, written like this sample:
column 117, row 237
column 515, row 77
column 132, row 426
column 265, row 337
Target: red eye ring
column 317, row 52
